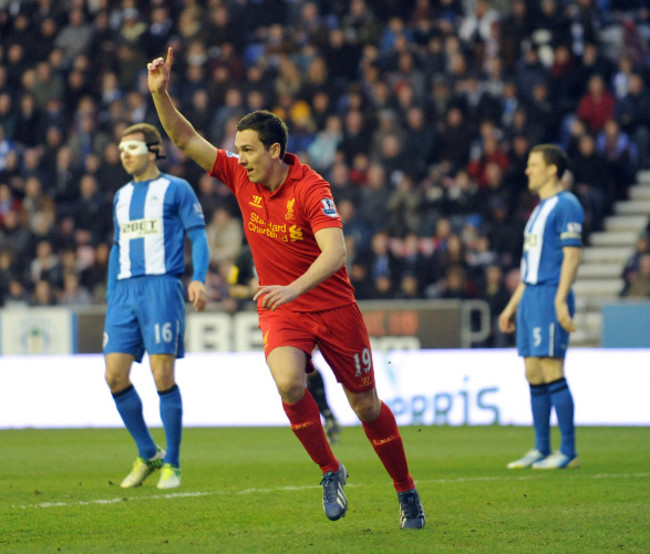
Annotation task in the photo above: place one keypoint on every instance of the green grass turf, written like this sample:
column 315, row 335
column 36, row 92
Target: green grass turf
column 255, row 490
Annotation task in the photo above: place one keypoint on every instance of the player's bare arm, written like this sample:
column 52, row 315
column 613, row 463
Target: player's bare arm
column 330, row 260
column 197, row 295
column 572, row 255
column 180, row 130
column 507, row 316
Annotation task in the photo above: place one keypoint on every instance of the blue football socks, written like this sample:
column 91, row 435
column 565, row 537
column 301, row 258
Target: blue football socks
column 562, row 401
column 129, row 407
column 171, row 414
column 540, row 403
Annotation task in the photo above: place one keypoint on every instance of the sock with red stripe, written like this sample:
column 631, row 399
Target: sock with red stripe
column 306, row 425
column 387, row 442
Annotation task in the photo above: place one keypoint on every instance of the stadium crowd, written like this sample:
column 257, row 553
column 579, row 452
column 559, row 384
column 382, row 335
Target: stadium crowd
column 420, row 113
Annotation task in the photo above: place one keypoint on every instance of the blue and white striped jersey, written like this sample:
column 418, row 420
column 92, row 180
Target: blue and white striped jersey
column 556, row 222
column 150, row 219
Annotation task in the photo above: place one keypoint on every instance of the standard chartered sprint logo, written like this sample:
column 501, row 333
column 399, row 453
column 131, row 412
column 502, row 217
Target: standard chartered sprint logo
column 282, row 232
column 139, row 228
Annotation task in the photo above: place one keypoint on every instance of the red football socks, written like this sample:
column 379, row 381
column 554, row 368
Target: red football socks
column 306, row 424
column 387, row 442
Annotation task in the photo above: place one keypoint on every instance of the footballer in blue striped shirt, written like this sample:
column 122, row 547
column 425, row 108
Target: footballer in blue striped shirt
column 541, row 308
column 152, row 214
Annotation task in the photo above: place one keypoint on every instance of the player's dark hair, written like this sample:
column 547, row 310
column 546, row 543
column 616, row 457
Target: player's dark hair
column 270, row 129
column 151, row 136
column 553, row 155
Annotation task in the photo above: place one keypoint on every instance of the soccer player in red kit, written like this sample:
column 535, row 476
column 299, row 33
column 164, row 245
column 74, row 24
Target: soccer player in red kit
column 305, row 297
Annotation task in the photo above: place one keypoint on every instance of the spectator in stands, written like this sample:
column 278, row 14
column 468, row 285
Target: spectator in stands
column 7, row 147
column 159, row 30
column 7, row 115
column 515, row 28
column 621, row 79
column 494, row 194
column 564, row 87
column 592, row 182
column 479, row 255
column 490, row 153
column 620, row 155
column 383, row 266
column 225, row 236
column 358, row 173
column 633, row 114
column 76, row 85
column 86, row 138
column 460, row 193
column 356, row 135
column 455, row 138
column 342, row 186
column 541, row 109
column 633, row 263
column 15, row 234
column 404, row 206
column 322, row 151
column 232, row 106
column 7, row 270
column 596, row 106
column 593, row 62
column 93, row 277
column 414, row 264
column 91, row 210
column 47, row 85
column 530, row 71
column 200, row 110
column 64, row 182
column 448, row 255
column 73, row 293
column 354, row 228
column 75, row 37
column 639, row 286
column 17, row 66
column 111, row 170
column 551, row 20
column 46, row 265
column 392, row 157
column 16, row 296
column 43, row 295
column 475, row 101
column 586, row 20
column 8, row 202
column 420, row 141
column 494, row 291
column 455, row 284
column 372, row 206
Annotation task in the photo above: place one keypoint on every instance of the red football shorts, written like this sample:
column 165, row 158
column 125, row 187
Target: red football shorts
column 340, row 334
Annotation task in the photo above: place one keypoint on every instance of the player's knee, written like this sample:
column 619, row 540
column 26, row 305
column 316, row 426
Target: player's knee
column 116, row 382
column 290, row 390
column 367, row 407
column 164, row 379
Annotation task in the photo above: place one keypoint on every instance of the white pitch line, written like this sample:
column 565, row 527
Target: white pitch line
column 297, row 488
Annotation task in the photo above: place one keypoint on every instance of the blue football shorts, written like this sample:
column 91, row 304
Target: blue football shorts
column 539, row 334
column 146, row 313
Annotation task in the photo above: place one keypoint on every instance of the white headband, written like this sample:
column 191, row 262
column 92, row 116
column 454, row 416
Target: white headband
column 134, row 147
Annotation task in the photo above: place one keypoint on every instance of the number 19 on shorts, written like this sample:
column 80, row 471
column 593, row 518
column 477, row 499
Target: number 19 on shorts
column 363, row 362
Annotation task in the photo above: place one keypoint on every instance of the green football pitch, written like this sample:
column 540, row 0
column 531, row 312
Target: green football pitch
column 255, row 490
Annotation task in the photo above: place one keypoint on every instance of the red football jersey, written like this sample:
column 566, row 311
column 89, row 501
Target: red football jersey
column 280, row 227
